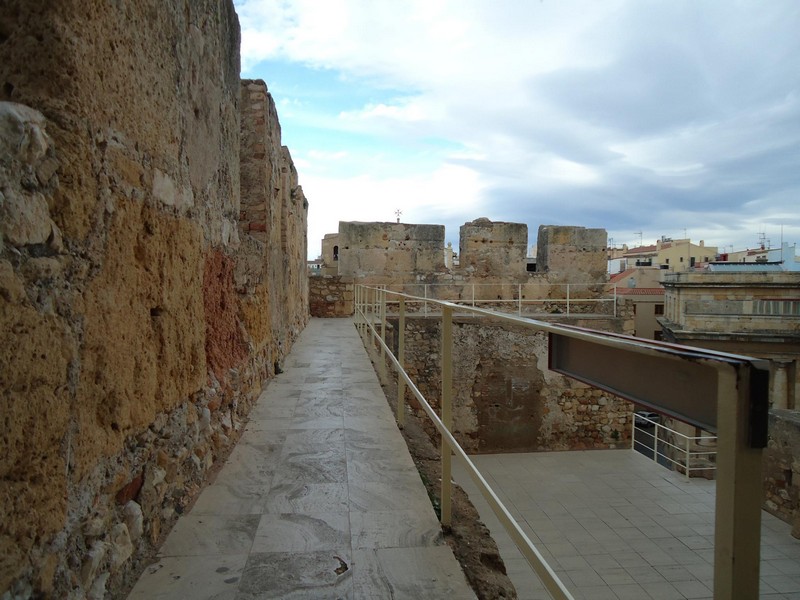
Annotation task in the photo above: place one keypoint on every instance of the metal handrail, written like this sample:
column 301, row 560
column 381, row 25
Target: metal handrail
column 684, row 449
column 545, row 572
column 569, row 300
column 739, row 389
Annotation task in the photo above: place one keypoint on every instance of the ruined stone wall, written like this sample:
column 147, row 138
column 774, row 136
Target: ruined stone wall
column 505, row 398
column 572, row 254
column 494, row 249
column 331, row 296
column 390, row 252
column 781, row 468
column 134, row 338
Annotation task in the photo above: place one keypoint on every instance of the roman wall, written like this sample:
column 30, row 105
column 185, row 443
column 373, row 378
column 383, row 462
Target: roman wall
column 497, row 249
column 781, row 468
column 572, row 254
column 390, row 252
column 144, row 297
column 331, row 296
column 505, row 399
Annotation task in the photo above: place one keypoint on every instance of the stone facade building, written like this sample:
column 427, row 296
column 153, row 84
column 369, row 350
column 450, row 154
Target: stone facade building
column 152, row 276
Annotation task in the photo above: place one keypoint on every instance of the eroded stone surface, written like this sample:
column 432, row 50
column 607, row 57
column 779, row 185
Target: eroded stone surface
column 133, row 350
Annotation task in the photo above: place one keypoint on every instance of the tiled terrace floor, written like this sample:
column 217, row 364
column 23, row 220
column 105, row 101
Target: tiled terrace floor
column 320, row 498
column 615, row 525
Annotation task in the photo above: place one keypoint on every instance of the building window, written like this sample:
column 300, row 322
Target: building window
column 659, row 310
column 336, row 253
column 681, row 259
column 666, row 261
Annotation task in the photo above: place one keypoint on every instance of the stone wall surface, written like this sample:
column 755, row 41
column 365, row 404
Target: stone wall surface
column 493, row 248
column 572, row 254
column 505, row 397
column 140, row 307
column 781, row 468
column 331, row 296
column 390, row 252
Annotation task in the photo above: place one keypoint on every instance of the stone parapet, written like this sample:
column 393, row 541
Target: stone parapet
column 331, row 296
column 781, row 468
column 142, row 304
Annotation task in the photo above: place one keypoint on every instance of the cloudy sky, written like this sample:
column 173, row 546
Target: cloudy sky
column 670, row 118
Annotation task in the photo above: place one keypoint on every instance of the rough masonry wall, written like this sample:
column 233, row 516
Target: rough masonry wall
column 572, row 254
column 505, row 397
column 131, row 352
column 497, row 249
column 331, row 296
column 390, row 252
column 271, row 267
column 781, row 466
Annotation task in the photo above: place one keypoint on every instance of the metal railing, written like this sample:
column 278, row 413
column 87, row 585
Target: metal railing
column 664, row 444
column 366, row 310
column 520, row 298
column 602, row 360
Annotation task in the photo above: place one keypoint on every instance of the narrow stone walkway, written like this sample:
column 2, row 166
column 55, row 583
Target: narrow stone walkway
column 319, row 499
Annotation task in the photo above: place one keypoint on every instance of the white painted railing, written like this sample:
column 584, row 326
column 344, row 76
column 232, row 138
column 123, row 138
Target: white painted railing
column 666, row 444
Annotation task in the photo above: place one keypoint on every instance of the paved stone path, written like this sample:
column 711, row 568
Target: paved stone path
column 614, row 525
column 320, row 498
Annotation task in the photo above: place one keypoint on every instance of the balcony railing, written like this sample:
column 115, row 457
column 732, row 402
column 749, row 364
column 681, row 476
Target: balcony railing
column 668, row 377
column 673, row 449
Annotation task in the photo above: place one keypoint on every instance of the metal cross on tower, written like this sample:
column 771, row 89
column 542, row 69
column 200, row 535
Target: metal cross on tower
column 397, row 213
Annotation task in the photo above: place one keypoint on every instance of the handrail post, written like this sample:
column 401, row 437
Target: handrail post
column 359, row 316
column 425, row 293
column 401, row 358
column 688, row 451
column 519, row 299
column 382, row 296
column 567, row 299
column 615, row 300
column 473, row 295
column 447, row 414
column 655, row 443
column 737, row 527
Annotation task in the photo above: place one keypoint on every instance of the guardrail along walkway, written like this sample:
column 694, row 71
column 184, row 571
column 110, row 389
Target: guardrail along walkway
column 319, row 499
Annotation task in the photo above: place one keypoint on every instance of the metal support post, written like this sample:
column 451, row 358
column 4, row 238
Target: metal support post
column 568, row 299
column 382, row 295
column 447, row 411
column 688, row 455
column 401, row 358
column 519, row 299
column 737, row 531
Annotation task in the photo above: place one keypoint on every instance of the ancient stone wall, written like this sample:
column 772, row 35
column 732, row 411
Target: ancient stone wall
column 505, row 398
column 390, row 252
column 331, row 296
column 138, row 317
column 572, row 254
column 781, row 468
column 494, row 249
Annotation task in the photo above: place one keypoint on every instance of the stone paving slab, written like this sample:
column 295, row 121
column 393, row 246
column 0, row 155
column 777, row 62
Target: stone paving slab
column 319, row 499
column 613, row 525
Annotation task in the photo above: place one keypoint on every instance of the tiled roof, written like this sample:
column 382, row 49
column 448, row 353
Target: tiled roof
column 621, row 276
column 642, row 249
column 626, row 291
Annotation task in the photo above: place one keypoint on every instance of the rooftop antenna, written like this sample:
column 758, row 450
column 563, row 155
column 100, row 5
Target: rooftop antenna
column 639, row 233
column 397, row 213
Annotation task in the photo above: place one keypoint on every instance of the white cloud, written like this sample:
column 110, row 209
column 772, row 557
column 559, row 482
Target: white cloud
column 447, row 192
column 629, row 115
